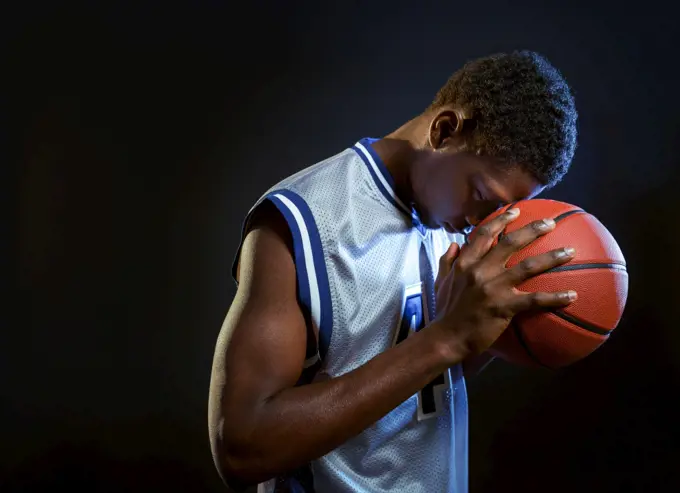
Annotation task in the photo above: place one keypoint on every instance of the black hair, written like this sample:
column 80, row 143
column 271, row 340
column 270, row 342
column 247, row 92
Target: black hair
column 522, row 108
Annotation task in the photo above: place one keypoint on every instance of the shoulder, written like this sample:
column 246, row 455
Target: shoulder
column 267, row 239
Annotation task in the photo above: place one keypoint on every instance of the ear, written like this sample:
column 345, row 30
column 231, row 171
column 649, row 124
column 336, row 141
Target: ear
column 445, row 127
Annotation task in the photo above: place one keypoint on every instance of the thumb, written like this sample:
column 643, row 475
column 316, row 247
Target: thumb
column 446, row 261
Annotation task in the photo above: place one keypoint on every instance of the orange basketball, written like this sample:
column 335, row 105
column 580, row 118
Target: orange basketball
column 558, row 337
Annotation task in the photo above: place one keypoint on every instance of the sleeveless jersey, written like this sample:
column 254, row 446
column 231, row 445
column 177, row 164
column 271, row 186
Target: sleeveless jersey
column 365, row 268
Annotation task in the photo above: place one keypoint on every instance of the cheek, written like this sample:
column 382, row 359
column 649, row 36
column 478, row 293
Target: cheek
column 447, row 197
column 460, row 198
column 445, row 193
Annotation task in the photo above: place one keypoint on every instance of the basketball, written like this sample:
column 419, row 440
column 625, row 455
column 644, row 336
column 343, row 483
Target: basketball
column 559, row 337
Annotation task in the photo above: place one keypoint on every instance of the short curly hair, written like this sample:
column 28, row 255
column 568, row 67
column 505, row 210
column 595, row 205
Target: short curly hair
column 523, row 110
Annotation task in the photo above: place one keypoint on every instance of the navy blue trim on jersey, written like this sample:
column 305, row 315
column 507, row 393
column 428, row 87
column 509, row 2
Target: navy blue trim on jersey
column 314, row 289
column 304, row 231
column 366, row 142
column 385, row 174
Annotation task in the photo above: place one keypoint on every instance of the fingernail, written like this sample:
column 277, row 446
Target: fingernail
column 571, row 295
column 569, row 251
column 513, row 212
column 546, row 224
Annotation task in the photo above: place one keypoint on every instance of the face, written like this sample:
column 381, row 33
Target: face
column 455, row 188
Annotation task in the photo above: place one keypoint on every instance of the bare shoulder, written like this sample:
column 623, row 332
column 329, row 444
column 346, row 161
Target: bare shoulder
column 260, row 350
column 261, row 347
column 265, row 316
column 267, row 233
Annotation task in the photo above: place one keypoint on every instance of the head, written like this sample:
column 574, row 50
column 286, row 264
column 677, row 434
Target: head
column 502, row 129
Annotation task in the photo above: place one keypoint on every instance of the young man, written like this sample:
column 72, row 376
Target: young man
column 339, row 366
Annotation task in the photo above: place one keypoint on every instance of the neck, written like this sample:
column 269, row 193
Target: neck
column 399, row 150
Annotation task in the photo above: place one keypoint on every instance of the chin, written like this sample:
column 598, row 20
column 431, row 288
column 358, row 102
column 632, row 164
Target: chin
column 431, row 226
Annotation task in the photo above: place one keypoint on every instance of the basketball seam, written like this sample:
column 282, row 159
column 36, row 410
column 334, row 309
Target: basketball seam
column 611, row 266
column 517, row 329
column 522, row 342
column 558, row 218
column 567, row 317
column 568, row 214
column 615, row 266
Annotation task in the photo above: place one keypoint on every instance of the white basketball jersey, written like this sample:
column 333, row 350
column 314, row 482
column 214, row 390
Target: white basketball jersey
column 363, row 260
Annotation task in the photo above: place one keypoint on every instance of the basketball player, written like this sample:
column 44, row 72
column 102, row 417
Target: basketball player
column 340, row 364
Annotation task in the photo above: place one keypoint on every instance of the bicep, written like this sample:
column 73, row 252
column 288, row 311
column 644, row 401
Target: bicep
column 261, row 347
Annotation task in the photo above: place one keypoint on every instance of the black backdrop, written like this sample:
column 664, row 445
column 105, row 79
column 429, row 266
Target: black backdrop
column 143, row 132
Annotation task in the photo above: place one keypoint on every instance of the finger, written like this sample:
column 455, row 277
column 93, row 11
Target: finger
column 511, row 243
column 527, row 301
column 533, row 266
column 446, row 261
column 446, row 264
column 485, row 235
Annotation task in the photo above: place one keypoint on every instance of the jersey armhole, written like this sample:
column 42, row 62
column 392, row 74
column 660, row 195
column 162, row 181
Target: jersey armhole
column 313, row 291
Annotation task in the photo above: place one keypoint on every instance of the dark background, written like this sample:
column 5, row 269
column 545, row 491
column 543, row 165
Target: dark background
column 143, row 132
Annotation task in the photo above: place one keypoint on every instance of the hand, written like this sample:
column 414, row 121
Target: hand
column 476, row 293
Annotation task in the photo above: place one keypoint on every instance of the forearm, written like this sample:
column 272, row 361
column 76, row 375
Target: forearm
column 303, row 423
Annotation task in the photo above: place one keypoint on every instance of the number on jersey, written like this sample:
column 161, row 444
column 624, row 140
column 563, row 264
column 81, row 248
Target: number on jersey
column 412, row 320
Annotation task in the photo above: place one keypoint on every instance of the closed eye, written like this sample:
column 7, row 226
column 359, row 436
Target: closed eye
column 477, row 195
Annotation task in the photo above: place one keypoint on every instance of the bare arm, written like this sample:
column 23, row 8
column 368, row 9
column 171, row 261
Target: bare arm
column 255, row 412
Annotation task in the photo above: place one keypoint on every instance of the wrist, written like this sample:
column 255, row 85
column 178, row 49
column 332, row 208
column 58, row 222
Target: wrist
column 447, row 347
